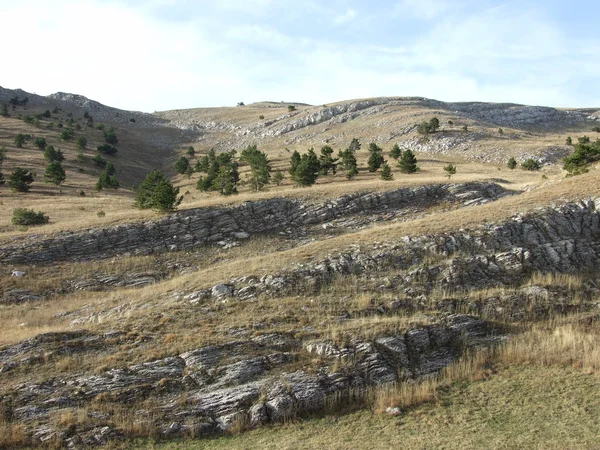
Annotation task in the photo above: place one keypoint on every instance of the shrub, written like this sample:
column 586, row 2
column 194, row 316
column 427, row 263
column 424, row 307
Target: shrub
column 110, row 136
column 450, row 170
column 291, row 108
column 4, row 112
column 67, row 134
column 101, row 213
column 100, row 127
column 354, row 145
column 531, row 164
column 191, row 151
column 429, row 126
column 23, row 216
column 500, row 131
column 511, row 164
column 50, row 154
column 465, row 129
column 569, row 141
column 583, row 140
column 107, row 149
column 2, row 154
column 596, row 129
column 278, row 178
column 20, row 179
column 20, row 139
column 81, row 142
column 40, row 143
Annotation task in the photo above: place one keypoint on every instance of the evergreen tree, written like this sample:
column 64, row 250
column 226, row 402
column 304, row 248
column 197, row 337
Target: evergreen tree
column 512, row 163
column 326, row 161
column 260, row 168
column 157, row 193
column 51, row 154
column 307, row 171
column 40, row 143
column 375, row 157
column 569, row 141
column 294, row 162
column 408, row 162
column 396, row 153
column 20, row 179
column 348, row 163
column 181, row 165
column 81, row 142
column 354, row 145
column 55, row 173
column 386, row 172
column 278, row 178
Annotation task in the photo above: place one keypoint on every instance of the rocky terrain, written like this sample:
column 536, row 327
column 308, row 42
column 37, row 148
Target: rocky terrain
column 212, row 320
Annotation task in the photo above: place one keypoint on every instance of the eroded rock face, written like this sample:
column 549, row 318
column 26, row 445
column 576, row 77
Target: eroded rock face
column 563, row 239
column 187, row 230
column 240, row 381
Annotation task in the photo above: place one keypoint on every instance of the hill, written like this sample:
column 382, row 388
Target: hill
column 357, row 300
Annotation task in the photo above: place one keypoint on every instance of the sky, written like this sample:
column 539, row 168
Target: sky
column 153, row 55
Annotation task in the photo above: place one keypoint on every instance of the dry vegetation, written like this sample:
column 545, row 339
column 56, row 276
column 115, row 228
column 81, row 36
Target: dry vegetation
column 484, row 400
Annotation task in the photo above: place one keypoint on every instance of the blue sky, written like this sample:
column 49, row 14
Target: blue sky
column 170, row 54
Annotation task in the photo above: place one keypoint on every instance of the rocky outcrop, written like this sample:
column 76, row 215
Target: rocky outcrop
column 191, row 229
column 564, row 239
column 245, row 381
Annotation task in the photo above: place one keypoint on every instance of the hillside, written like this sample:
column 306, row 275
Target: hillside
column 354, row 303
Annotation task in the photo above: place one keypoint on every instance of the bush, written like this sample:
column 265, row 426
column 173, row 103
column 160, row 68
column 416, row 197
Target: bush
column 2, row 154
column 21, row 179
column 67, row 134
column 107, row 149
column 40, row 143
column 155, row 192
column 81, row 142
column 23, row 216
column 21, row 138
column 50, row 154
column 110, row 136
column 569, row 141
column 531, row 164
column 429, row 126
column 511, row 164
column 191, row 151
column 278, row 178
column 596, row 129
column 450, row 170
column 291, row 108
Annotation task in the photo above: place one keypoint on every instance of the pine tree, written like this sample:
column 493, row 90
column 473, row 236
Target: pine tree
column 307, row 171
column 375, row 157
column 55, row 173
column 326, row 161
column 157, row 193
column 386, row 172
column 408, row 162
column 294, row 162
column 512, row 163
column 260, row 168
column 396, row 153
column 20, row 179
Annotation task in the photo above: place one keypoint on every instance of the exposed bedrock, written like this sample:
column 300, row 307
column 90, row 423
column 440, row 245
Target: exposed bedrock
column 190, row 229
column 209, row 389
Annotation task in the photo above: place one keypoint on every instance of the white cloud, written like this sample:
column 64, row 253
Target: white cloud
column 346, row 17
column 422, row 9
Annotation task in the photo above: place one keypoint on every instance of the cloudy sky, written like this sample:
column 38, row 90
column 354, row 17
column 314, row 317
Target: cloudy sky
column 152, row 55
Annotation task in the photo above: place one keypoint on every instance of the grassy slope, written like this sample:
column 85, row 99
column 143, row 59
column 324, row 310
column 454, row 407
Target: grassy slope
column 519, row 407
